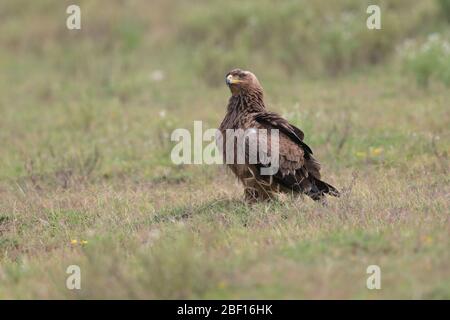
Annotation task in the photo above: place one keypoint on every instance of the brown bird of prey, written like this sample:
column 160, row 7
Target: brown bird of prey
column 298, row 171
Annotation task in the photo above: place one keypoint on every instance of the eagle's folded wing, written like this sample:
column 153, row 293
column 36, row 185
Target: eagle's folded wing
column 296, row 165
column 275, row 121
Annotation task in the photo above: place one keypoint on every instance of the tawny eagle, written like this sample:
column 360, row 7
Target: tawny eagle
column 298, row 171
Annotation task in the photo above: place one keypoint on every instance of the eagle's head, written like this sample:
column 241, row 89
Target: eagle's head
column 241, row 81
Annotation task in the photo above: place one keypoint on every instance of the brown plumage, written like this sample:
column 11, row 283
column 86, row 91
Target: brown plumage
column 298, row 171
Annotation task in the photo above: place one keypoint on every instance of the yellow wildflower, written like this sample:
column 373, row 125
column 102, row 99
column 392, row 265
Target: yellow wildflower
column 222, row 284
column 428, row 240
column 377, row 151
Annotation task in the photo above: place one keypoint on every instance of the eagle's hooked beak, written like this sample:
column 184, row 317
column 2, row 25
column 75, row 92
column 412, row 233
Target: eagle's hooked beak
column 230, row 80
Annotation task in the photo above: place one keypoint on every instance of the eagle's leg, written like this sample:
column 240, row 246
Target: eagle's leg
column 256, row 192
column 253, row 195
column 255, row 189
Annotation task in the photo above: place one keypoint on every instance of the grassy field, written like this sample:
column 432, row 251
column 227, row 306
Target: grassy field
column 86, row 118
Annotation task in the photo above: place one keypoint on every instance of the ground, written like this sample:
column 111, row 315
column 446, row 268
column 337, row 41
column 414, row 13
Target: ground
column 86, row 179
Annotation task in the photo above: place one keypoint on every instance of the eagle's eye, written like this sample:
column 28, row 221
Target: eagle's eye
column 242, row 75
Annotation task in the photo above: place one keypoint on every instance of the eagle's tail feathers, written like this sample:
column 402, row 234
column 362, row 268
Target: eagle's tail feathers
column 320, row 188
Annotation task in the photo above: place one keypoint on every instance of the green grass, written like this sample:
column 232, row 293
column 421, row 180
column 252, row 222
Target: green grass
column 85, row 155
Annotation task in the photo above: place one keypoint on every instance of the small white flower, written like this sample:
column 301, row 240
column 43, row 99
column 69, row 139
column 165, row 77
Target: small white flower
column 157, row 75
column 446, row 47
column 434, row 37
